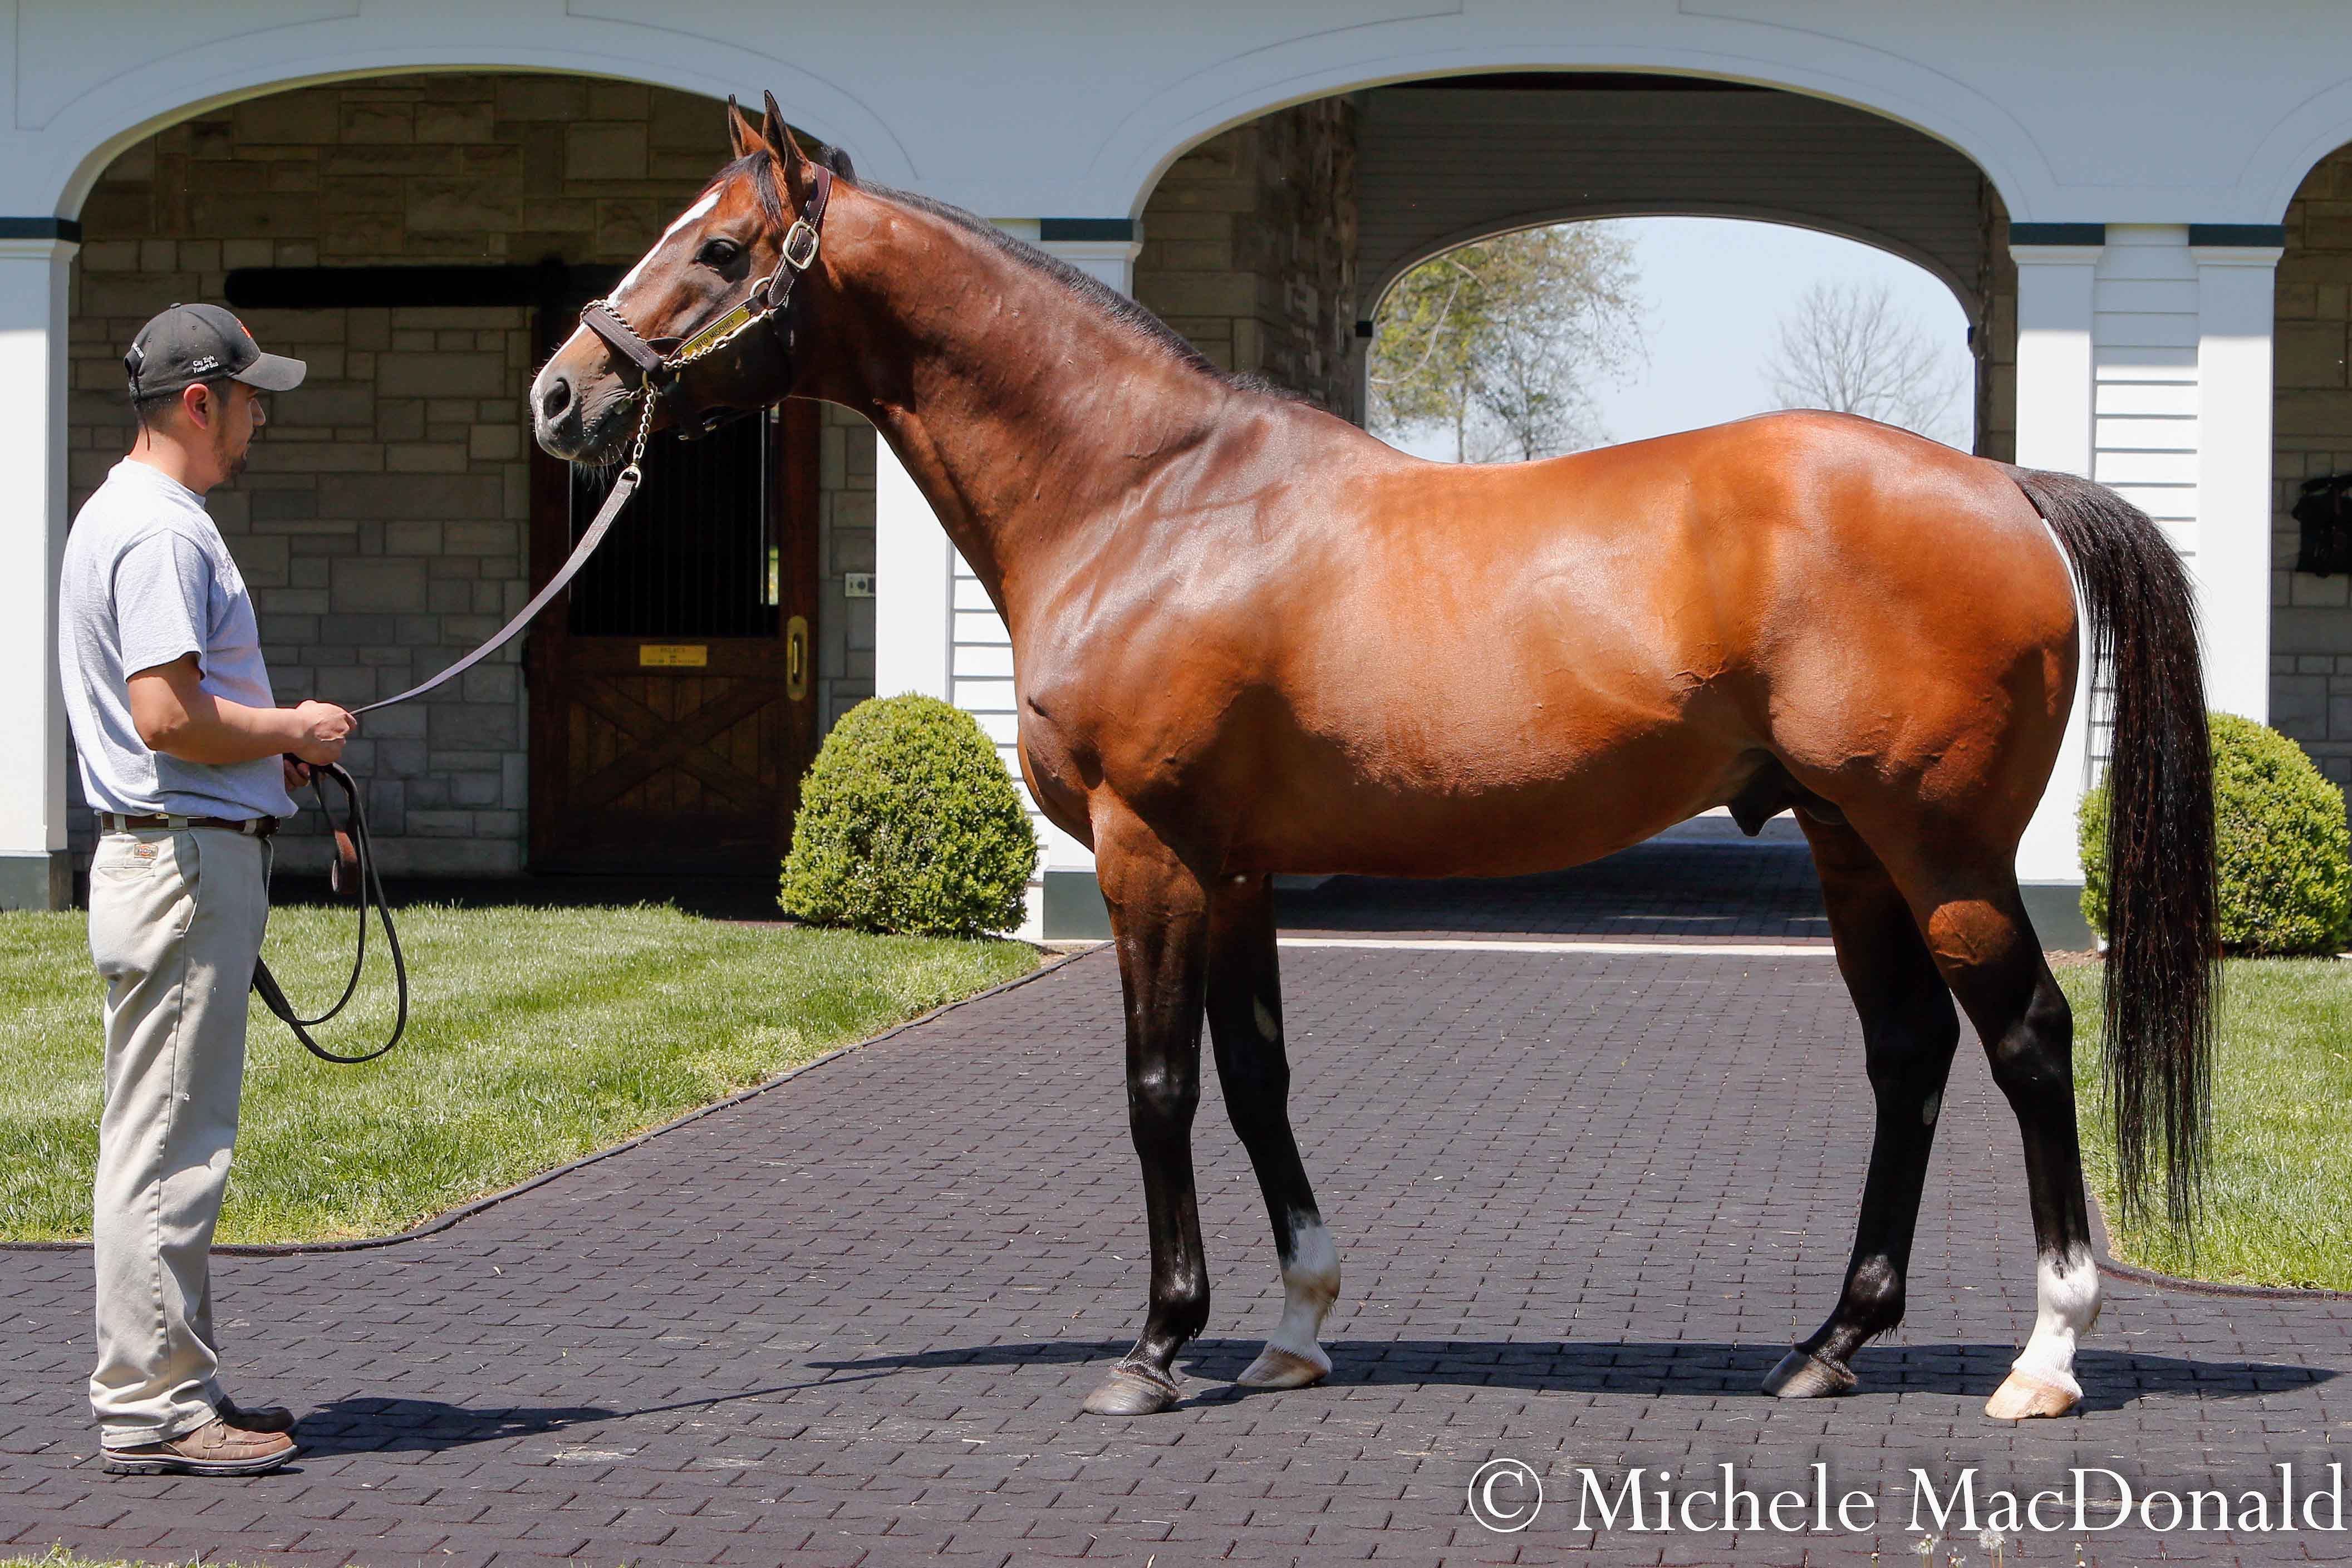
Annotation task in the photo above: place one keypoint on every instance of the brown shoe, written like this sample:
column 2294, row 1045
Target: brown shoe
column 267, row 1418
column 214, row 1449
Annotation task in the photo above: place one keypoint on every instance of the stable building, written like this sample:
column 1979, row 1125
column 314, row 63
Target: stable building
column 2150, row 235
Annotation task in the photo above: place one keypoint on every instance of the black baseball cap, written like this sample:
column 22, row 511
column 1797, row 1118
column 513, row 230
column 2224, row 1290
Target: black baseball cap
column 192, row 343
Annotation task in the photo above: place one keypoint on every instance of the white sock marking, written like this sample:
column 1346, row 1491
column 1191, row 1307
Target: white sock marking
column 2066, row 1290
column 1311, row 1284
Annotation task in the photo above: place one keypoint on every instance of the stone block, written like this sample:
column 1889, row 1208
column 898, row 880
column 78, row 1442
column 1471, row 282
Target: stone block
column 400, row 758
column 321, row 401
column 408, row 496
column 497, row 825
column 598, row 151
column 383, row 584
column 2310, row 354
column 479, row 539
column 441, row 375
column 470, row 120
column 364, row 121
column 494, row 443
column 462, row 205
column 541, row 98
column 252, row 215
column 473, row 789
column 482, row 725
column 439, row 823
column 412, row 539
column 492, row 683
column 424, row 457
column 349, row 685
column 297, row 118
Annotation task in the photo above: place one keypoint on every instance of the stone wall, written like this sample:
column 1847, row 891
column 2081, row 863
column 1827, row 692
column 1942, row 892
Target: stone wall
column 1992, row 334
column 2311, row 617
column 384, row 523
column 1249, row 250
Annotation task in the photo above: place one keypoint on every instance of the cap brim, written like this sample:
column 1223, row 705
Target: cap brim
column 273, row 373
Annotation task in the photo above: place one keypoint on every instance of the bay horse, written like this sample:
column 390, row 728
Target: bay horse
column 1249, row 638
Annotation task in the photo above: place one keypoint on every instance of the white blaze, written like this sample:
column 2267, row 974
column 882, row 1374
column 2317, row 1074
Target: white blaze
column 709, row 200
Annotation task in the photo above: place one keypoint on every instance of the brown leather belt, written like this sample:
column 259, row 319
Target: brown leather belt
column 252, row 827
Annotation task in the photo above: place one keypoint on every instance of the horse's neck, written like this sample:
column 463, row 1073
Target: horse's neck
column 1024, row 412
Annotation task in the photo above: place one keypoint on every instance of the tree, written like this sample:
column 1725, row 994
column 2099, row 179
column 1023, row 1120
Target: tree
column 1847, row 348
column 1501, row 342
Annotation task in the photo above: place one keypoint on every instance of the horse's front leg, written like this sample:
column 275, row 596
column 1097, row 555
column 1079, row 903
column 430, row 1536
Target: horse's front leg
column 1159, row 918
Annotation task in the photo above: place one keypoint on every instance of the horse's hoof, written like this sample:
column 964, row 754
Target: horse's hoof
column 2023, row 1396
column 1801, row 1375
column 1278, row 1368
column 1132, row 1390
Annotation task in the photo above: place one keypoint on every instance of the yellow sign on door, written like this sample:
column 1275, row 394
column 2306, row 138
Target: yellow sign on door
column 673, row 655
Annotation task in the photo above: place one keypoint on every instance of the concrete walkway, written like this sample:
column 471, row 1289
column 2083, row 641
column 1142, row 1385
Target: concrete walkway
column 1583, row 1201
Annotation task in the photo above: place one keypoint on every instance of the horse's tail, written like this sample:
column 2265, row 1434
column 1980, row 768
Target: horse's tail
column 2163, row 968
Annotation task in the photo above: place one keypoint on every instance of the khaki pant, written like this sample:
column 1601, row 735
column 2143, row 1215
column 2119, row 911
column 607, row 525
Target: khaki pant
column 175, row 922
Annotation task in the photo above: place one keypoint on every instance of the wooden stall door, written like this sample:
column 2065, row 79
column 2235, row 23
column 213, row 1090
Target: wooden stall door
column 673, row 697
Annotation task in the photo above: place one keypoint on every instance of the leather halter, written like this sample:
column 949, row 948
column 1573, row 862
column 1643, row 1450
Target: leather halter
column 661, row 360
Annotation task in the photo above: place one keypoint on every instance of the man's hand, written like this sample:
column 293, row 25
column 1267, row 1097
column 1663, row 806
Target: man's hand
column 323, row 728
column 175, row 716
column 297, row 774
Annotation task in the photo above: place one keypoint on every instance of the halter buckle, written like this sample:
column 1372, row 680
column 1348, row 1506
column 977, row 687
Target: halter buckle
column 800, row 245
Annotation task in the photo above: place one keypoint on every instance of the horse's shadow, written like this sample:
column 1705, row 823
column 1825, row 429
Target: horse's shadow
column 381, row 1425
column 2111, row 1380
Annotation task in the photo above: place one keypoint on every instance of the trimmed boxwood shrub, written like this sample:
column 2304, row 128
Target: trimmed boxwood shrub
column 910, row 823
column 2284, row 853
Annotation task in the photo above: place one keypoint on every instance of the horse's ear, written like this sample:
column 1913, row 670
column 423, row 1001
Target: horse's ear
column 741, row 134
column 774, row 127
column 800, row 169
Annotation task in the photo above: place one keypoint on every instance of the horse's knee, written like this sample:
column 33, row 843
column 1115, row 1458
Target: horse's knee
column 1160, row 1099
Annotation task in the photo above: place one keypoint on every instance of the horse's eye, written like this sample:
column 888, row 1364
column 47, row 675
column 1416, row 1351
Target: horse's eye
column 719, row 252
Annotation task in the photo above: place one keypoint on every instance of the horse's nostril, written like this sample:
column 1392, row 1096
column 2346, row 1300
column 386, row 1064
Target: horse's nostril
column 556, row 397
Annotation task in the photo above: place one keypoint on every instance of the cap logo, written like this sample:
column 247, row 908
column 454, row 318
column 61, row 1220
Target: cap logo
column 208, row 363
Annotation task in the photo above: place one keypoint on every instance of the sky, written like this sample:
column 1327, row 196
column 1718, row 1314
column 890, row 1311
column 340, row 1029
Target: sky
column 1715, row 290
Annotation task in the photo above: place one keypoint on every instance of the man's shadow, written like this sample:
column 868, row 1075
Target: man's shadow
column 2112, row 1380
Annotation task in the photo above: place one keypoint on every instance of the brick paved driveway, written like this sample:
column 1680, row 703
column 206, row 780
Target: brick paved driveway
column 1582, row 1200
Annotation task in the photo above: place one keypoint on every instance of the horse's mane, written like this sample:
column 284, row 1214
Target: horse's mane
column 1108, row 301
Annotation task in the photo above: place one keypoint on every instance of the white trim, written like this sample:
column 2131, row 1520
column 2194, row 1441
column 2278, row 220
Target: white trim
column 2056, row 430
column 33, row 326
column 2235, row 290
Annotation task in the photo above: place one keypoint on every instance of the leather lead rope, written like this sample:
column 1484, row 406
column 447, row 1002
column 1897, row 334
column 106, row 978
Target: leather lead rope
column 353, row 870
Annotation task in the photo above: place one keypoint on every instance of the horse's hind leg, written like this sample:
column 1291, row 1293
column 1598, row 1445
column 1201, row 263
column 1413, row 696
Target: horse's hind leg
column 1909, row 1032
column 1968, row 903
column 1245, row 1023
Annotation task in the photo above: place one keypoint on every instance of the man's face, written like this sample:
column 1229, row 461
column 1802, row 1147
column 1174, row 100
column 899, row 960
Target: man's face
column 237, row 413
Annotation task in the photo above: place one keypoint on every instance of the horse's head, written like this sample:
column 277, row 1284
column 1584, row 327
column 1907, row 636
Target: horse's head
column 712, row 258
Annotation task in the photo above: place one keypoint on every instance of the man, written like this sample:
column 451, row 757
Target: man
column 188, row 761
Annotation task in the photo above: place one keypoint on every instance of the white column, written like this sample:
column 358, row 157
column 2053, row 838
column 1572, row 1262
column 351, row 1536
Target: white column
column 33, row 866
column 2054, row 431
column 2235, row 285
column 912, row 583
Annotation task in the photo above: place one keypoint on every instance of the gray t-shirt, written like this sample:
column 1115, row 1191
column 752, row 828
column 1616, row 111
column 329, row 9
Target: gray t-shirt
column 147, row 579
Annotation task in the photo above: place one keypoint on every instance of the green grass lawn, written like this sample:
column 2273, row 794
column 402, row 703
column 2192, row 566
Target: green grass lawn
column 2274, row 1207
column 535, row 1036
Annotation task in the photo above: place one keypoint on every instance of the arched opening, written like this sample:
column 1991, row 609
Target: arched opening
column 2311, row 594
column 422, row 240
column 1270, row 242
column 1661, row 324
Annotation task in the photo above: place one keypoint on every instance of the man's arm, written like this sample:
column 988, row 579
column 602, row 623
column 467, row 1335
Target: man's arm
column 176, row 717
